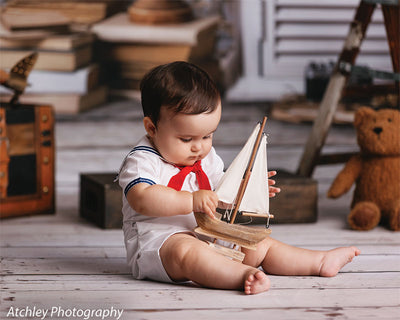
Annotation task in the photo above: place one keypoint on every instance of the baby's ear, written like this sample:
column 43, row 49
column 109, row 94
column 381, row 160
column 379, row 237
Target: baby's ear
column 149, row 126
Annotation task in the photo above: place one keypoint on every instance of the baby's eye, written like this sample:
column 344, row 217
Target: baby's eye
column 185, row 139
column 208, row 137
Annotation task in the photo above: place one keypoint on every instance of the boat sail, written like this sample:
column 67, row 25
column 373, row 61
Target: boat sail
column 255, row 199
column 244, row 187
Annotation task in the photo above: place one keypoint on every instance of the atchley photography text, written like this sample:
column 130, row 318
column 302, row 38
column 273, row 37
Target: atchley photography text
column 63, row 312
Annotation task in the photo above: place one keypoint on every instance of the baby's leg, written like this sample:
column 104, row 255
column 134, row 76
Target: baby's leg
column 278, row 258
column 186, row 258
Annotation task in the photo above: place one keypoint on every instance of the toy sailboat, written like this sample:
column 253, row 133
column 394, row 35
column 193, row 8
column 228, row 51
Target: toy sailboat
column 243, row 188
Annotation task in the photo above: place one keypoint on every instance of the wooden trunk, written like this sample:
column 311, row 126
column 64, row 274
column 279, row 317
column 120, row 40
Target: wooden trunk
column 26, row 160
column 101, row 200
column 296, row 203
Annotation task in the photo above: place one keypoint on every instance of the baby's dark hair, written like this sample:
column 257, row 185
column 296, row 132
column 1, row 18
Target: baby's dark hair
column 179, row 86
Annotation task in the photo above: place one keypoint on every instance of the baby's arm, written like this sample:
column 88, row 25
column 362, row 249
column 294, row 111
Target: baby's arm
column 161, row 201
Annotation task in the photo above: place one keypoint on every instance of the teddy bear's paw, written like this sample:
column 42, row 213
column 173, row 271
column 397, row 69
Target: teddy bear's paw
column 335, row 191
column 364, row 216
column 332, row 193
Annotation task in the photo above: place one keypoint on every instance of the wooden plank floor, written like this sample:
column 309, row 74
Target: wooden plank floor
column 61, row 261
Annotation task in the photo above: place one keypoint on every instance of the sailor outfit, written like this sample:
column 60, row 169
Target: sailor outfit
column 145, row 235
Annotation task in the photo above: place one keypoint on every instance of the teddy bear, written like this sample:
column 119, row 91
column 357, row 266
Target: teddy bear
column 375, row 170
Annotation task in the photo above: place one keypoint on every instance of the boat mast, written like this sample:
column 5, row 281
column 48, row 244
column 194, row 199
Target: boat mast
column 246, row 177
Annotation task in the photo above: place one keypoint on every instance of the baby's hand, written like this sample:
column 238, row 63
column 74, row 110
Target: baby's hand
column 205, row 201
column 272, row 190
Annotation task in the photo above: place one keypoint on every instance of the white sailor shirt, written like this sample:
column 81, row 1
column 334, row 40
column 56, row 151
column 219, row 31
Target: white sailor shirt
column 145, row 235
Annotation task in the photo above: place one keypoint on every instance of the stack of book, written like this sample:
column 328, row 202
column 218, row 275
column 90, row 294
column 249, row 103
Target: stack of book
column 129, row 50
column 65, row 74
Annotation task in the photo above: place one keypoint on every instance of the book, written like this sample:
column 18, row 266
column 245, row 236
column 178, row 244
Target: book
column 137, row 69
column 14, row 18
column 65, row 104
column 56, row 60
column 127, row 76
column 84, row 12
column 31, row 34
column 48, row 42
column 118, row 28
column 80, row 81
column 157, row 53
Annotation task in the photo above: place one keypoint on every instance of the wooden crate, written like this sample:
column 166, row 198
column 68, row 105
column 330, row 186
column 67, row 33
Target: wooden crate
column 298, row 200
column 296, row 203
column 26, row 160
column 101, row 199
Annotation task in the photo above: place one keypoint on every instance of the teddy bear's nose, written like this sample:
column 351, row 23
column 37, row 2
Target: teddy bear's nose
column 377, row 130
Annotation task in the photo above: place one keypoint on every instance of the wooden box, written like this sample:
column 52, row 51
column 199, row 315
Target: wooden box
column 101, row 199
column 26, row 160
column 298, row 200
column 296, row 203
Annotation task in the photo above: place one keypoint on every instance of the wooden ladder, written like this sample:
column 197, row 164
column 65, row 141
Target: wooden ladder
column 391, row 11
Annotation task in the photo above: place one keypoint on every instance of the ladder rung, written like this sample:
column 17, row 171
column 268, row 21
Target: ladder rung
column 335, row 158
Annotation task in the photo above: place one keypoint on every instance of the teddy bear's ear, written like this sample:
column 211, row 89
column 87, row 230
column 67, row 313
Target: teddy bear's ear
column 361, row 113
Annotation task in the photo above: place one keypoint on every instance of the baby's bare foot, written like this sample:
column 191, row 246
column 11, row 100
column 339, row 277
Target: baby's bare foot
column 336, row 259
column 256, row 283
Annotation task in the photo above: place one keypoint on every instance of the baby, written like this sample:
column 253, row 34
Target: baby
column 171, row 173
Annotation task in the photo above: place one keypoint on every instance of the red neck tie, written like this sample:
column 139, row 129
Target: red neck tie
column 177, row 180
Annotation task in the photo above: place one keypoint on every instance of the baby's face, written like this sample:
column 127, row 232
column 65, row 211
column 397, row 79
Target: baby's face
column 184, row 139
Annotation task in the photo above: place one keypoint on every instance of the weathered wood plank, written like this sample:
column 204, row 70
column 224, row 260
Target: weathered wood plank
column 328, row 231
column 366, row 263
column 119, row 251
column 123, row 133
column 338, row 313
column 105, row 282
column 73, row 161
column 98, row 240
column 211, row 299
column 65, row 266
column 64, row 252
column 98, row 134
column 331, row 223
column 61, row 227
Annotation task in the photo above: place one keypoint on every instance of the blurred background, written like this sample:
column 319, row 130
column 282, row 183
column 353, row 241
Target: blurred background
column 256, row 50
column 268, row 57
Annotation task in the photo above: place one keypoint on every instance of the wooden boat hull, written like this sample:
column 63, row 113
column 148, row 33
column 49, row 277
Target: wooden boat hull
column 247, row 237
